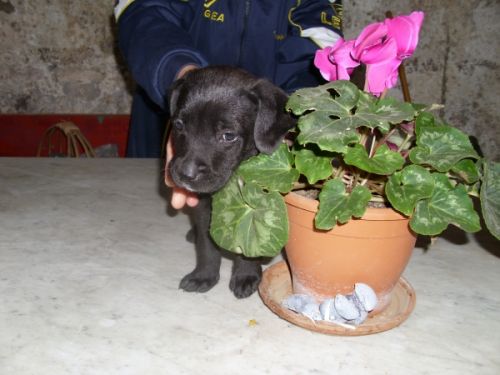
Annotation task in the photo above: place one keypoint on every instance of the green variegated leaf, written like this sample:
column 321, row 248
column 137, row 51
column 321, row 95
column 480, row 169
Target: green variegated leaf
column 474, row 189
column 247, row 220
column 447, row 205
column 274, row 172
column 335, row 205
column 406, row 187
column 441, row 147
column 384, row 112
column 329, row 133
column 419, row 107
column 467, row 170
column 490, row 197
column 325, row 118
column 423, row 120
column 315, row 167
column 384, row 162
column 320, row 98
column 366, row 99
column 331, row 113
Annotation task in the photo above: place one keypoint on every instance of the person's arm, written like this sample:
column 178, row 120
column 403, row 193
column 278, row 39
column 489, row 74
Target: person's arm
column 155, row 43
column 312, row 25
column 158, row 50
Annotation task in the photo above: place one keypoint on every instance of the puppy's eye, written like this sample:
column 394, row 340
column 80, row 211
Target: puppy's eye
column 178, row 124
column 229, row 137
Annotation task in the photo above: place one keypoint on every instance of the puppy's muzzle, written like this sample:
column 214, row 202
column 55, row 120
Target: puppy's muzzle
column 190, row 175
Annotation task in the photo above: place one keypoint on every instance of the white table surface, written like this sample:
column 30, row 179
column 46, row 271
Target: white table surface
column 91, row 258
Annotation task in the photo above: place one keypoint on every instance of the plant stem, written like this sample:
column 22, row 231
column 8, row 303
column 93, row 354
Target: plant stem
column 302, row 185
column 406, row 140
column 373, row 147
column 386, row 137
column 363, row 139
column 339, row 172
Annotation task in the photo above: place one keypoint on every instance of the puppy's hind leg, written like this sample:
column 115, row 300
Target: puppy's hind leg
column 246, row 276
column 208, row 256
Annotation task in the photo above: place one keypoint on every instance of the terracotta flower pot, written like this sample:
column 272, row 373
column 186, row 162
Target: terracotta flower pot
column 374, row 250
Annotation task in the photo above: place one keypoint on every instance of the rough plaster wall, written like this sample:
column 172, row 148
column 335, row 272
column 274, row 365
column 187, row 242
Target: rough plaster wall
column 60, row 56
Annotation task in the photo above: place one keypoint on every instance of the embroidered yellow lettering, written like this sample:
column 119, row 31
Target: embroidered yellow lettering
column 213, row 15
column 209, row 3
column 333, row 21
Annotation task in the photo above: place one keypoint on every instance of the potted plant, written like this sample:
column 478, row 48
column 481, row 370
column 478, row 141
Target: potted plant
column 360, row 155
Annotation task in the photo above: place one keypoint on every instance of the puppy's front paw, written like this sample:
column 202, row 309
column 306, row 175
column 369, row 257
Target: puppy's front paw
column 244, row 286
column 199, row 281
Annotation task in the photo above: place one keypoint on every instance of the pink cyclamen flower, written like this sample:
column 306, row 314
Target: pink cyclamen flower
column 382, row 68
column 382, row 47
column 405, row 30
column 369, row 42
column 379, row 53
column 322, row 62
column 335, row 62
column 380, row 77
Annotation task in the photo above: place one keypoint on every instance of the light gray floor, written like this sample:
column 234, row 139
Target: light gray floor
column 90, row 262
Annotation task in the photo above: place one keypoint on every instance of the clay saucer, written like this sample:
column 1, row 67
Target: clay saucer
column 276, row 285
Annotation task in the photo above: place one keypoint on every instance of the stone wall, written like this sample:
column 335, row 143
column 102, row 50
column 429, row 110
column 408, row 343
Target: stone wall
column 61, row 56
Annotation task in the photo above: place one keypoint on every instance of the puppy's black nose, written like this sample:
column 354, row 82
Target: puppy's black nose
column 192, row 171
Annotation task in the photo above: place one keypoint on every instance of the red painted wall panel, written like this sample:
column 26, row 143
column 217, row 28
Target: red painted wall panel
column 20, row 135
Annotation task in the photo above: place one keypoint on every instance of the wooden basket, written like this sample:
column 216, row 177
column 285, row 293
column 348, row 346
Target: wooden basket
column 67, row 139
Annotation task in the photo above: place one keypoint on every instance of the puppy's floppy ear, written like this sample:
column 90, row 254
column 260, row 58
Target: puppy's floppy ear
column 173, row 96
column 272, row 121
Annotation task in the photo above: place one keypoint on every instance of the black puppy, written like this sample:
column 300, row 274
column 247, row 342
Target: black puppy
column 220, row 117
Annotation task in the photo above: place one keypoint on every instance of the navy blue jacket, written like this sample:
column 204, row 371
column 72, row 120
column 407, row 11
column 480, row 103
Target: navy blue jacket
column 269, row 38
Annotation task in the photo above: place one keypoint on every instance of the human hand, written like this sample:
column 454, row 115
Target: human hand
column 180, row 197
